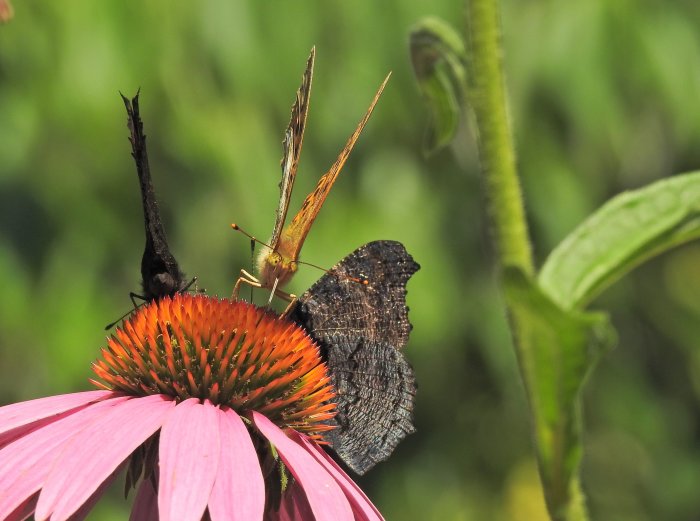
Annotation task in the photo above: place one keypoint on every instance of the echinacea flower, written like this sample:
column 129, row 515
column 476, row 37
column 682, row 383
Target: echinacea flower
column 214, row 407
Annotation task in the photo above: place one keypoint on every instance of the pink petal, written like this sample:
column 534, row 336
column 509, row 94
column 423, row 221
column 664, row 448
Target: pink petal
column 297, row 505
column 239, row 489
column 23, row 511
column 16, row 433
column 85, row 509
column 325, row 497
column 27, row 461
column 189, row 459
column 293, row 507
column 93, row 454
column 21, row 414
column 146, row 503
column 361, row 505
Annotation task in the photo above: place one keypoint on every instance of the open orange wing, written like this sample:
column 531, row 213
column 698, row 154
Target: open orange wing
column 293, row 138
column 293, row 236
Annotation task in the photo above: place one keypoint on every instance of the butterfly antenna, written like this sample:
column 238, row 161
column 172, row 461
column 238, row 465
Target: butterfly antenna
column 359, row 280
column 251, row 237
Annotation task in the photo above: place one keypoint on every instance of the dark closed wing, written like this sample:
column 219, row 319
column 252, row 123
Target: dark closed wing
column 160, row 272
column 361, row 329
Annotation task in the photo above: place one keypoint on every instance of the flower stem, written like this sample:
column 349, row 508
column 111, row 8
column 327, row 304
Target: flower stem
column 487, row 97
column 497, row 153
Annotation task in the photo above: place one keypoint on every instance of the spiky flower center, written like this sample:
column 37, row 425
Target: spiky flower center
column 229, row 352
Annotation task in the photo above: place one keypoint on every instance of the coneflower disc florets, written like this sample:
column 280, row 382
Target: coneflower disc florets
column 229, row 352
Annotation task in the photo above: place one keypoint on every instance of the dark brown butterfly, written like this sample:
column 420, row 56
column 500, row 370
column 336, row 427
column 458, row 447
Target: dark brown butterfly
column 160, row 272
column 362, row 329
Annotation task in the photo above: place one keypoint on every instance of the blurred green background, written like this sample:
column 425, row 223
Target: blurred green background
column 605, row 97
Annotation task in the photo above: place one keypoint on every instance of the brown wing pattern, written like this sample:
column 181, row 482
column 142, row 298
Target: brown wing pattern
column 361, row 330
column 375, row 389
column 336, row 303
column 294, row 235
column 293, row 138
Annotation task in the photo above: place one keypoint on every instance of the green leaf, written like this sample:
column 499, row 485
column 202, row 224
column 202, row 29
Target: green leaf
column 623, row 233
column 557, row 350
column 438, row 56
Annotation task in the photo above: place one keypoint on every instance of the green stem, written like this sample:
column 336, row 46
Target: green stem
column 497, row 153
column 507, row 214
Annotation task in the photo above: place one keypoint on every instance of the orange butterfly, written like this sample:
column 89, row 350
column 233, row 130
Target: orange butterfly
column 279, row 258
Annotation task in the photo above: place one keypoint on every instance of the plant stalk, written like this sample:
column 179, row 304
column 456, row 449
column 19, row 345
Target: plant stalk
column 487, row 97
column 496, row 150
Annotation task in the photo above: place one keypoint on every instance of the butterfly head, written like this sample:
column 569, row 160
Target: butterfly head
column 273, row 267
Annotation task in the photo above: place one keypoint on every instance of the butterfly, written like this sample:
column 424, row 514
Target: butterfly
column 279, row 258
column 160, row 273
column 361, row 329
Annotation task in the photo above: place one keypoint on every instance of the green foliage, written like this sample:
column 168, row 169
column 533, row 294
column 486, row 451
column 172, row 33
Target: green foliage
column 627, row 230
column 439, row 62
column 557, row 350
column 603, row 96
column 556, row 345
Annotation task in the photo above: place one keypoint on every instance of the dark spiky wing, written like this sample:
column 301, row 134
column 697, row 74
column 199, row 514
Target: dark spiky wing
column 361, row 329
column 160, row 272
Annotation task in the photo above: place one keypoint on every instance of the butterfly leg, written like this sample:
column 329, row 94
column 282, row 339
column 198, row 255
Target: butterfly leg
column 245, row 278
column 196, row 288
column 134, row 296
column 292, row 302
column 251, row 280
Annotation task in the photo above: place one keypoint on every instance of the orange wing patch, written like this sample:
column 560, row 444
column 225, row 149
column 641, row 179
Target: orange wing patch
column 294, row 235
column 277, row 265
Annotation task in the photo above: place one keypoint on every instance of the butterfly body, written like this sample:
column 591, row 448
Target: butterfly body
column 161, row 278
column 275, row 267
